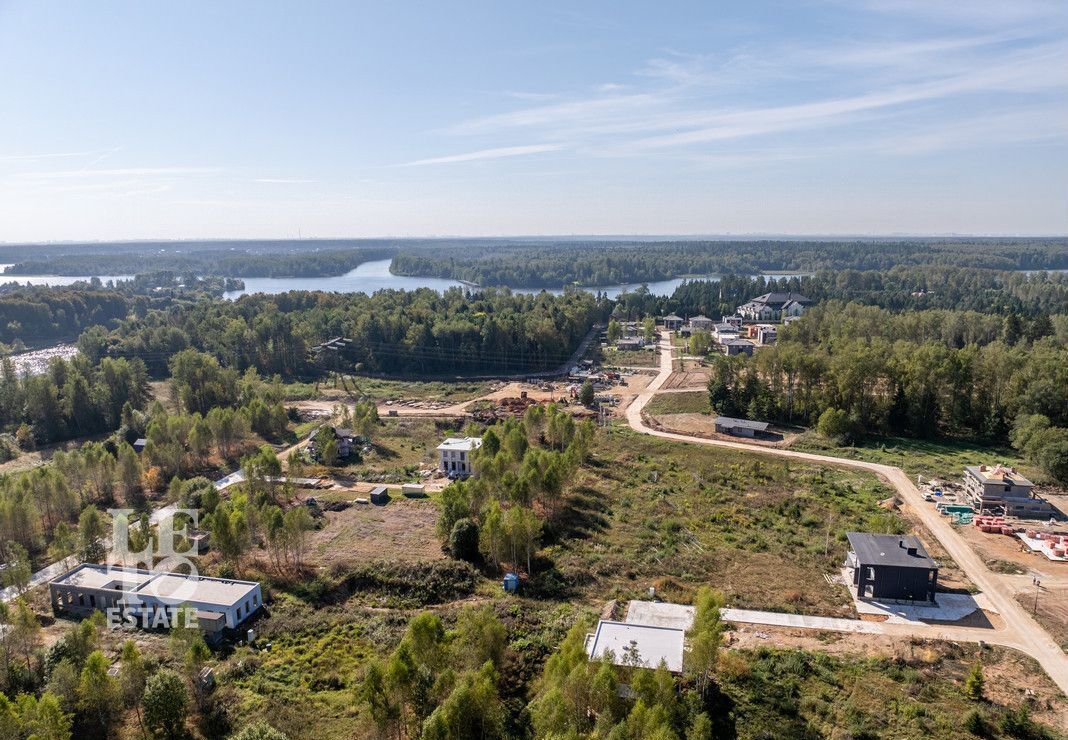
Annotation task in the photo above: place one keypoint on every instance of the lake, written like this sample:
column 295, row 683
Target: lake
column 372, row 276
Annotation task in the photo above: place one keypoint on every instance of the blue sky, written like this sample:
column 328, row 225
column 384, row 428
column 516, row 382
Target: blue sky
column 269, row 119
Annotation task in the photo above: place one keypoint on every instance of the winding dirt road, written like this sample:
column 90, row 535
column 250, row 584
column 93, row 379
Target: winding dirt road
column 1020, row 631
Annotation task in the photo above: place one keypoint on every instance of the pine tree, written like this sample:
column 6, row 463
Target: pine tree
column 973, row 684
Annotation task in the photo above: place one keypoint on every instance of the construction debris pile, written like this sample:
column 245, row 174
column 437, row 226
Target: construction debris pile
column 505, row 408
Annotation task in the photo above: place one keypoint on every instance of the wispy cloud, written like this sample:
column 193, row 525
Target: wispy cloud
column 688, row 102
column 493, row 153
column 119, row 172
column 283, row 180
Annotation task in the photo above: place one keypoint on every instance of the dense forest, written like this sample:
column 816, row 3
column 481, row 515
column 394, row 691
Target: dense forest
column 855, row 370
column 72, row 399
column 36, row 314
column 899, row 289
column 392, row 332
column 226, row 263
column 614, row 263
column 532, row 263
column 42, row 313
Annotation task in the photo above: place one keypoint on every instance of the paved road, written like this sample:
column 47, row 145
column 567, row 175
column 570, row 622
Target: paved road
column 44, row 575
column 1020, row 631
column 776, row 619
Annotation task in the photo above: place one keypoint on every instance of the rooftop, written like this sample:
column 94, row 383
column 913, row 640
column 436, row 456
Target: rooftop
column 890, row 549
column 640, row 644
column 727, row 421
column 461, row 443
column 780, row 299
column 176, row 587
column 738, row 343
column 660, row 614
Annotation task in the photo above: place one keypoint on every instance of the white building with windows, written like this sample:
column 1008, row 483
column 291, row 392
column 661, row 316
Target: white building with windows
column 455, row 456
column 150, row 598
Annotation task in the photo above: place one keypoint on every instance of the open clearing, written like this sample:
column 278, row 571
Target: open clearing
column 688, row 402
column 401, row 530
column 763, row 531
column 943, row 459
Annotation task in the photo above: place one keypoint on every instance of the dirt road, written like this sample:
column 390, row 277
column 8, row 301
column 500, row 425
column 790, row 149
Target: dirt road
column 1020, row 631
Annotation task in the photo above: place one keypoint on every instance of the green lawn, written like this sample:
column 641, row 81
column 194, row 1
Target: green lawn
column 764, row 531
column 630, row 358
column 690, row 402
column 932, row 458
column 800, row 694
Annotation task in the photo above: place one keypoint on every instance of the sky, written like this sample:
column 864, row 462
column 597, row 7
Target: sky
column 134, row 120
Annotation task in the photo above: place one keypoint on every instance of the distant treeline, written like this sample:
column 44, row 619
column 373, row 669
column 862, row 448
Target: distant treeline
column 35, row 314
column 613, row 263
column 898, row 289
column 224, row 263
column 394, row 332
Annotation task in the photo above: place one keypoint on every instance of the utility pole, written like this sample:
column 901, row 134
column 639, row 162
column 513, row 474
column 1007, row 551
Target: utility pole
column 1038, row 590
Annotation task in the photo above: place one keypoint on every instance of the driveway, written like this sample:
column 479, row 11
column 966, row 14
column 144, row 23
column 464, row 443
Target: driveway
column 1020, row 631
column 44, row 575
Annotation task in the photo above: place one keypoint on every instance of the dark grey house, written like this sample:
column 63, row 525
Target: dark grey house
column 740, row 427
column 891, row 567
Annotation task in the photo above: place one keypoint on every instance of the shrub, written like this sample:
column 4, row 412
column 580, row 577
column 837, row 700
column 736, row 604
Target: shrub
column 463, row 540
column 974, row 723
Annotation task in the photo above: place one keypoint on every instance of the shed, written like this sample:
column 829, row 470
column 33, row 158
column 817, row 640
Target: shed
column 413, row 489
column 139, row 445
column 379, row 495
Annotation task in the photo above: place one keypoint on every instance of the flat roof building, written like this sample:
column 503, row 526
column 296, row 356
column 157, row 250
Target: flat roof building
column 637, row 645
column 740, row 427
column 892, row 567
column 219, row 602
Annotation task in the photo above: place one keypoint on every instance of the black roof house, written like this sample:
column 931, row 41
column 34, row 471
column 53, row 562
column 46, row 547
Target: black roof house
column 891, row 567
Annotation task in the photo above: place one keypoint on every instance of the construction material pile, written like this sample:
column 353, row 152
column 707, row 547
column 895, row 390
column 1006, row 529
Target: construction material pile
column 994, row 525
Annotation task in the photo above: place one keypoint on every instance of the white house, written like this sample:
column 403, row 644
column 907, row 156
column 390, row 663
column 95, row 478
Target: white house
column 771, row 306
column 766, row 333
column 726, row 332
column 150, row 598
column 455, row 456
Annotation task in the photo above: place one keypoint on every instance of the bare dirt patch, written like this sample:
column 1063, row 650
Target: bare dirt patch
column 401, row 530
column 691, row 379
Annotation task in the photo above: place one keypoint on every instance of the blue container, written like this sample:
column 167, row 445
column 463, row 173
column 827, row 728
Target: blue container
column 511, row 583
